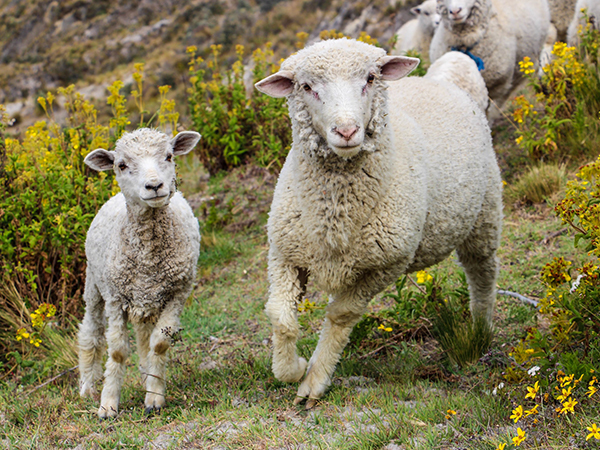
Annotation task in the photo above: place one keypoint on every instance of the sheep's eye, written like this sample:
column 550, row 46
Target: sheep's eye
column 169, row 158
column 306, row 87
column 122, row 166
column 370, row 78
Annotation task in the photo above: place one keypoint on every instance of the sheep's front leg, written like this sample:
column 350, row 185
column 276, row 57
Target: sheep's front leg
column 142, row 339
column 166, row 327
column 287, row 286
column 118, row 351
column 341, row 316
column 92, row 342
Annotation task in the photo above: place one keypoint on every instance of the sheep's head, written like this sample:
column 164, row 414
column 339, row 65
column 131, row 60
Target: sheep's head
column 335, row 84
column 143, row 163
column 456, row 11
column 427, row 14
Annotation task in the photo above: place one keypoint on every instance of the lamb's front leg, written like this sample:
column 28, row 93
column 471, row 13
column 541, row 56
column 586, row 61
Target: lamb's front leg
column 166, row 327
column 341, row 316
column 118, row 351
column 287, row 286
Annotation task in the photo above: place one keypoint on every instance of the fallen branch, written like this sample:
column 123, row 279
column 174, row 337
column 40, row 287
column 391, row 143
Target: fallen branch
column 553, row 235
column 519, row 296
column 45, row 383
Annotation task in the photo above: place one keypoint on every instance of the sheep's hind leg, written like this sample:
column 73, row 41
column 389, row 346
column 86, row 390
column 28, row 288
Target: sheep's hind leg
column 477, row 255
column 342, row 314
column 288, row 285
column 92, row 342
column 118, row 351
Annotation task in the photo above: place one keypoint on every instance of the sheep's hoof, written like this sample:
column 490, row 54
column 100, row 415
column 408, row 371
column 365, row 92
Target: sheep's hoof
column 106, row 413
column 152, row 410
column 311, row 403
column 299, row 400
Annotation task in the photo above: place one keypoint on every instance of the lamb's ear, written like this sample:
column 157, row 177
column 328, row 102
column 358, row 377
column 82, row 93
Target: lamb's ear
column 396, row 67
column 184, row 142
column 416, row 10
column 277, row 85
column 100, row 159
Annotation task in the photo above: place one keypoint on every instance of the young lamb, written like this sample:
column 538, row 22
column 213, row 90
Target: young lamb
column 458, row 68
column 142, row 249
column 499, row 33
column 592, row 8
column 416, row 34
column 381, row 180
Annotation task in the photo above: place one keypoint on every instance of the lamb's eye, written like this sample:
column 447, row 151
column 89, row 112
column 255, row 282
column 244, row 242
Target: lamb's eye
column 169, row 157
column 122, row 166
column 426, row 13
column 306, row 87
column 370, row 78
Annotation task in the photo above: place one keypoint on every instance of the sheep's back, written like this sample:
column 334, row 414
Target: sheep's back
column 459, row 160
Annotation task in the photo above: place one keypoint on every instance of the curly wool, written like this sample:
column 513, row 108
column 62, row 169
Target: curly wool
column 469, row 33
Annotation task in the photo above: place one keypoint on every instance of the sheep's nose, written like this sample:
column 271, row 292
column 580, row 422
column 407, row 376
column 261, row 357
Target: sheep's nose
column 455, row 11
column 154, row 186
column 346, row 132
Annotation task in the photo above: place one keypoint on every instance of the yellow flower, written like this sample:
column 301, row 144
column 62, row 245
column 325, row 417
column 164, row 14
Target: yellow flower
column 532, row 391
column 531, row 411
column 565, row 394
column 519, row 438
column 568, row 406
column 518, row 140
column 384, row 328
column 450, row 413
column 423, row 276
column 22, row 334
column 595, row 432
column 35, row 341
column 500, row 446
column 517, row 413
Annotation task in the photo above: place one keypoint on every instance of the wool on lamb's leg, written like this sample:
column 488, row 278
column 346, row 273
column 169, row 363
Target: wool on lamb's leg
column 342, row 314
column 142, row 340
column 118, row 351
column 477, row 255
column 166, row 327
column 92, row 342
column 288, row 285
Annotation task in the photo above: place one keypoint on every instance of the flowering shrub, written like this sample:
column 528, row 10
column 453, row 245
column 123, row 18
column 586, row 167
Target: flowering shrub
column 563, row 119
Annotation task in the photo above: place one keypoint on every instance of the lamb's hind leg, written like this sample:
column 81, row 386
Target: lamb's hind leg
column 92, row 342
column 477, row 255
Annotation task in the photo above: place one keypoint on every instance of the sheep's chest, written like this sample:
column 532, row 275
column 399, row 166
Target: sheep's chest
column 149, row 272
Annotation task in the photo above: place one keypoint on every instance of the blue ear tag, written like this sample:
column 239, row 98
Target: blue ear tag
column 467, row 51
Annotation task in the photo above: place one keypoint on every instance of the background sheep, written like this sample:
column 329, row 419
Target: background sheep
column 416, row 34
column 592, row 8
column 561, row 14
column 372, row 188
column 142, row 249
column 461, row 70
column 500, row 32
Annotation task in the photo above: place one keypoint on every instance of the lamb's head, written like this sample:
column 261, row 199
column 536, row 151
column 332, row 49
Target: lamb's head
column 336, row 92
column 459, row 11
column 143, row 163
column 428, row 16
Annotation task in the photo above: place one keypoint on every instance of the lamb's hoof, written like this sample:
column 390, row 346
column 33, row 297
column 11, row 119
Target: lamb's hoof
column 107, row 412
column 150, row 410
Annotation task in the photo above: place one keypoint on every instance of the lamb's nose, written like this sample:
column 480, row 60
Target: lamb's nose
column 154, row 186
column 346, row 132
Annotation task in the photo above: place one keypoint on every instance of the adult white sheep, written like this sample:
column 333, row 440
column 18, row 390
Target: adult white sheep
column 416, row 34
column 592, row 8
column 461, row 70
column 373, row 188
column 497, row 33
column 142, row 249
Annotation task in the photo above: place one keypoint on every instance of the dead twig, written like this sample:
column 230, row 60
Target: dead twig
column 519, row 296
column 45, row 383
column 553, row 235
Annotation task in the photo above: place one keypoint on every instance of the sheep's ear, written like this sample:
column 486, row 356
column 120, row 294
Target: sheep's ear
column 416, row 10
column 100, row 159
column 396, row 67
column 184, row 142
column 277, row 85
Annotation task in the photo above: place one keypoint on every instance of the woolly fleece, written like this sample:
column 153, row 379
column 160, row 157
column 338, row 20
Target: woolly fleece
column 461, row 70
column 424, row 183
column 501, row 33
